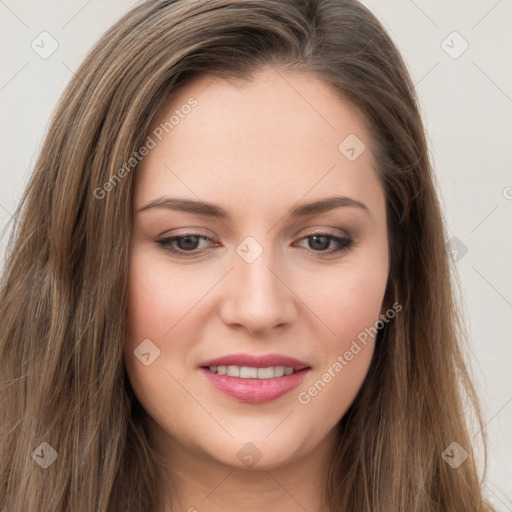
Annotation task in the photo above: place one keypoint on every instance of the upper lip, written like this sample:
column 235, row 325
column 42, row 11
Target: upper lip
column 253, row 361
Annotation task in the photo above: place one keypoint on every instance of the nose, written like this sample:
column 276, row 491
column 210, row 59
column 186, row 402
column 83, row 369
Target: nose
column 257, row 297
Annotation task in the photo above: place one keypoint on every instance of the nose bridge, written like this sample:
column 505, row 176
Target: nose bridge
column 253, row 271
column 258, row 298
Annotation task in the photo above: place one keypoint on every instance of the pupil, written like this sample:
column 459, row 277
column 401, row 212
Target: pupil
column 182, row 242
column 315, row 240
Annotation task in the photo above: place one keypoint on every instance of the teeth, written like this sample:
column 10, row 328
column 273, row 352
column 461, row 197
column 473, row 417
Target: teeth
column 279, row 371
column 233, row 371
column 265, row 373
column 248, row 372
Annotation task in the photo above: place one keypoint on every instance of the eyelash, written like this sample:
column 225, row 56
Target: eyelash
column 166, row 244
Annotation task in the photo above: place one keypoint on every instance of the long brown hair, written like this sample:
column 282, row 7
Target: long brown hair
column 63, row 290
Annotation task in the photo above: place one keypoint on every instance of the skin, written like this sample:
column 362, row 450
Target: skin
column 256, row 149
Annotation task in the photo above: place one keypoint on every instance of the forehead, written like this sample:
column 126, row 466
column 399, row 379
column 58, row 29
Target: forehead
column 280, row 135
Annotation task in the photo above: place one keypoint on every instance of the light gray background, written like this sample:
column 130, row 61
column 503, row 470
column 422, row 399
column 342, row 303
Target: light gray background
column 466, row 104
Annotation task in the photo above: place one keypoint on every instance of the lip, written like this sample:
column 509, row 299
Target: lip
column 255, row 391
column 263, row 361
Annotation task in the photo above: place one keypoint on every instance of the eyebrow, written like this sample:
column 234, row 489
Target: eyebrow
column 212, row 210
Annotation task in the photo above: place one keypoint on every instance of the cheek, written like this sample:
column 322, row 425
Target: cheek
column 159, row 297
column 346, row 301
column 351, row 304
column 356, row 307
column 154, row 308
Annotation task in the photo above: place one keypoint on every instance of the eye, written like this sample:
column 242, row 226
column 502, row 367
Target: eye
column 318, row 243
column 189, row 244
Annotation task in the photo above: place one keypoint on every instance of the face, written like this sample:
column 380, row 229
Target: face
column 259, row 249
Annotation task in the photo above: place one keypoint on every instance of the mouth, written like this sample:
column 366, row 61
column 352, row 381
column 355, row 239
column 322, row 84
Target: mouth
column 254, row 379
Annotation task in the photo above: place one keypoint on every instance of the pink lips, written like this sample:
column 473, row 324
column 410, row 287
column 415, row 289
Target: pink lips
column 255, row 390
column 264, row 361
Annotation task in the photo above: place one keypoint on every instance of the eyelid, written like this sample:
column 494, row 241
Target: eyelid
column 313, row 230
column 186, row 232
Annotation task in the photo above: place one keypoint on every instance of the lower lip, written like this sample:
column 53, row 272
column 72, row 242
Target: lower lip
column 255, row 391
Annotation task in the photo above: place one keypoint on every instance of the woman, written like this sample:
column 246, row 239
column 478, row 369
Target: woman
column 304, row 353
